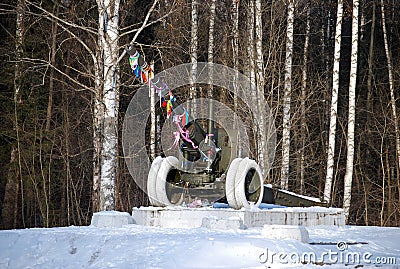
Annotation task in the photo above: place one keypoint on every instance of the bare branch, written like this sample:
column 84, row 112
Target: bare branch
column 144, row 25
column 59, row 71
column 88, row 29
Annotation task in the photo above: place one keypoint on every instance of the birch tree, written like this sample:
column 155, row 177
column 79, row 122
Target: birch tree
column 109, row 35
column 250, row 50
column 235, row 52
column 153, row 123
column 211, row 60
column 211, row 35
column 348, row 178
column 391, row 83
column 334, row 104
column 287, row 96
column 262, row 132
column 303, row 101
column 193, row 56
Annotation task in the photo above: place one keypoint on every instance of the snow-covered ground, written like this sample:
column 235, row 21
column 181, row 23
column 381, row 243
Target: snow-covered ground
column 134, row 246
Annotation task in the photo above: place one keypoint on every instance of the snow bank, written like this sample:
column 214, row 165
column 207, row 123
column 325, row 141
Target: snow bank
column 135, row 246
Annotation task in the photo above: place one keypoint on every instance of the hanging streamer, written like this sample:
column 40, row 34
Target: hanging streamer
column 145, row 73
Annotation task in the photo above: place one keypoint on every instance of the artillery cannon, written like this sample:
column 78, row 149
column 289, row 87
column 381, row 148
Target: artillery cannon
column 204, row 170
column 208, row 167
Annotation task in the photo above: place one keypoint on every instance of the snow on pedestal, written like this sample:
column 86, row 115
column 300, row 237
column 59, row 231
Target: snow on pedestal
column 111, row 219
column 299, row 233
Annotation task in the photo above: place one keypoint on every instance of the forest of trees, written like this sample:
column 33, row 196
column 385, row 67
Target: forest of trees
column 329, row 71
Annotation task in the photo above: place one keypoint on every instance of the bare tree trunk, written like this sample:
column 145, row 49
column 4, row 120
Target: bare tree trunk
column 14, row 184
column 304, row 128
column 235, row 53
column 54, row 27
column 391, row 84
column 9, row 211
column 348, row 178
column 250, row 51
column 98, row 112
column 334, row 103
column 20, row 29
column 381, row 214
column 193, row 58
column 369, row 81
column 152, row 120
column 262, row 153
column 287, row 96
column 326, row 37
column 210, row 57
column 210, row 74
column 97, row 140
column 371, row 58
column 109, row 44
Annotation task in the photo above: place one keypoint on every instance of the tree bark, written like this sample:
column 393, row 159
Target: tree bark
column 152, row 120
column 250, row 51
column 14, row 184
column 287, row 96
column 210, row 59
column 304, row 128
column 235, row 54
column 193, row 57
column 54, row 27
column 348, row 178
column 262, row 153
column 391, row 84
column 334, row 104
column 210, row 56
column 109, row 44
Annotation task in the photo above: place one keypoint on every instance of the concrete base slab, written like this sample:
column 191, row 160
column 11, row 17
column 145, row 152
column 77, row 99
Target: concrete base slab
column 182, row 217
column 299, row 233
column 111, row 219
column 214, row 223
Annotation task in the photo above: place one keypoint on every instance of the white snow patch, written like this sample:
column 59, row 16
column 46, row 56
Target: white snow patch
column 314, row 199
column 135, row 246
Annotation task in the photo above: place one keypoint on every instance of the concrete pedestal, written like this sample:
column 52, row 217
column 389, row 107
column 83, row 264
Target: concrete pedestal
column 182, row 217
column 111, row 219
column 299, row 233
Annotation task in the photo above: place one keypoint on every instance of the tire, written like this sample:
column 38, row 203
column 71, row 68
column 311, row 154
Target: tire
column 230, row 183
column 248, row 178
column 152, row 180
column 168, row 164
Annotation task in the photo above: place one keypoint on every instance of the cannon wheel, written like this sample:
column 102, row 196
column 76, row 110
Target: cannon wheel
column 152, row 179
column 231, row 182
column 248, row 184
column 244, row 183
column 166, row 176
